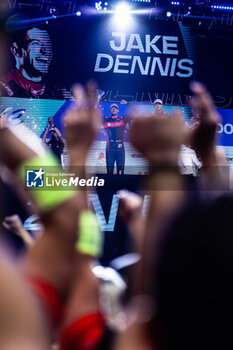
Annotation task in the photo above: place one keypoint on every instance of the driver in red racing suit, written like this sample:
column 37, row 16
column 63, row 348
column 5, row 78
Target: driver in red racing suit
column 114, row 126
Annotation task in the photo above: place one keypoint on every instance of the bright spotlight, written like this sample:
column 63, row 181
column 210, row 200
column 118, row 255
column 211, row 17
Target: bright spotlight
column 122, row 13
column 98, row 6
column 169, row 14
column 122, row 9
column 78, row 13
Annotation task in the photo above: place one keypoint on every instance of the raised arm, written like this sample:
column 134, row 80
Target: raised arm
column 83, row 324
column 215, row 172
column 53, row 258
column 46, row 131
column 159, row 140
column 49, row 265
column 58, row 132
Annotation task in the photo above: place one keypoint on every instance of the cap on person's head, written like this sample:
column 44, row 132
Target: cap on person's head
column 158, row 101
column 114, row 105
column 52, row 129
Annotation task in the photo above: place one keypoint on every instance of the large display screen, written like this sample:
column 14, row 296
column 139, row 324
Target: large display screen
column 147, row 59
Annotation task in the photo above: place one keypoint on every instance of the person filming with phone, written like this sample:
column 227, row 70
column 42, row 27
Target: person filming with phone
column 56, row 141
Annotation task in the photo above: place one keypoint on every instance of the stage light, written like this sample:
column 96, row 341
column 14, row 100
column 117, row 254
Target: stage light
column 122, row 8
column 148, row 1
column 54, row 11
column 78, row 13
column 98, row 6
column 168, row 14
column 122, row 15
column 218, row 7
column 122, row 11
column 176, row 3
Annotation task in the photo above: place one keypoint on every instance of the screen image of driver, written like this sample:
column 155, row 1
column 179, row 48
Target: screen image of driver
column 33, row 52
column 114, row 126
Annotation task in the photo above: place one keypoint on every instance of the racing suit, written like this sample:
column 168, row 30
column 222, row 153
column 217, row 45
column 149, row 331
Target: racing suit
column 114, row 127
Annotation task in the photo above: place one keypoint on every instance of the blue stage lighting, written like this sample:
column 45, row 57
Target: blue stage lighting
column 54, row 11
column 98, row 6
column 122, row 10
column 148, row 1
column 218, row 7
column 122, row 15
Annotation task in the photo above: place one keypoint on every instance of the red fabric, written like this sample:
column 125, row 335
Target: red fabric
column 36, row 89
column 114, row 124
column 84, row 334
column 49, row 297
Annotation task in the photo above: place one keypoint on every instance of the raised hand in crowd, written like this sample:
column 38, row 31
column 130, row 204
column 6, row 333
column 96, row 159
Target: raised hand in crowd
column 182, row 245
column 50, row 265
column 158, row 140
column 81, row 123
column 215, row 172
column 83, row 324
column 22, row 323
column 203, row 137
